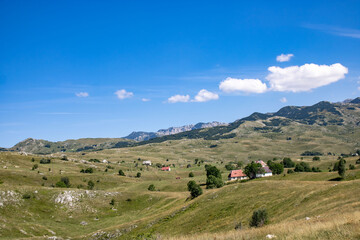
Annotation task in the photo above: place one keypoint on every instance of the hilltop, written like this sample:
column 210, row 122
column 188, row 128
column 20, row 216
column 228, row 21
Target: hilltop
column 325, row 117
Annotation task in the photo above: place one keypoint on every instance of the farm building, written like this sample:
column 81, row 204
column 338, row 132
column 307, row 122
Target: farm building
column 165, row 169
column 237, row 175
column 266, row 168
column 146, row 163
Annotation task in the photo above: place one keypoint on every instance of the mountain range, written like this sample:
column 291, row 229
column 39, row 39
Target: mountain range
column 324, row 115
column 143, row 136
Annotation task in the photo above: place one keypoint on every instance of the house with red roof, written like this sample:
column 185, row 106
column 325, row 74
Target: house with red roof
column 166, row 169
column 237, row 175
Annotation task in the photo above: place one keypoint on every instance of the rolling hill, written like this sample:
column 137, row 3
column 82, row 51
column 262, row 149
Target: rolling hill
column 322, row 117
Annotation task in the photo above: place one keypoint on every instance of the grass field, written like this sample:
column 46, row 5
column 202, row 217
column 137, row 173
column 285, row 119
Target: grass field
column 32, row 207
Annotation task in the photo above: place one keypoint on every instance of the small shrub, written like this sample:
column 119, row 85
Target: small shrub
column 94, row 160
column 316, row 158
column 138, row 175
column 45, row 161
column 26, row 196
column 259, row 218
column 88, row 170
column 289, row 171
column 121, row 173
column 357, row 161
column 35, row 166
column 60, row 184
column 351, row 167
column 151, row 187
column 44, row 178
column 33, row 160
column 112, row 202
column 91, row 185
column 66, row 181
column 188, row 166
column 191, row 174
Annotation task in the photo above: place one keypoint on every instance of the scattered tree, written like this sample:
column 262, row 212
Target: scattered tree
column 276, row 168
column 191, row 174
column 112, row 202
column 214, row 178
column 342, row 168
column 138, row 175
column 252, row 169
column 302, row 167
column 316, row 158
column 288, row 163
column 351, row 167
column 195, row 189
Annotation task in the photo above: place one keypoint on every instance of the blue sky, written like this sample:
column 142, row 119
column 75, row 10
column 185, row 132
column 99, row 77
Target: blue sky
column 62, row 63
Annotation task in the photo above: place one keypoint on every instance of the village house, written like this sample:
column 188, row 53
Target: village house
column 166, row 169
column 237, row 175
column 266, row 168
column 146, row 163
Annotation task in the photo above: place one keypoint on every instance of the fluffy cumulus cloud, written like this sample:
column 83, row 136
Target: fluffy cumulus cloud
column 82, row 94
column 284, row 57
column 283, row 100
column 122, row 94
column 179, row 98
column 230, row 85
column 305, row 77
column 145, row 99
column 204, row 96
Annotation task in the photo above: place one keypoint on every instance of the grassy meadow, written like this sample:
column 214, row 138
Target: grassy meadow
column 300, row 205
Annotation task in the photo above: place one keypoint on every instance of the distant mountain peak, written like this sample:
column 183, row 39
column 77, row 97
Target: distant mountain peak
column 143, row 136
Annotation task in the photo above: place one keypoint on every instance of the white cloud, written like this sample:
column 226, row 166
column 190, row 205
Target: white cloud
column 179, row 98
column 284, row 57
column 122, row 94
column 305, row 77
column 145, row 99
column 242, row 85
column 283, row 100
column 82, row 94
column 204, row 96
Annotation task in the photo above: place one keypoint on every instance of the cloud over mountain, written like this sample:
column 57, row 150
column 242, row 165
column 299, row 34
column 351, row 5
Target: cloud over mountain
column 204, row 96
column 230, row 85
column 305, row 77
